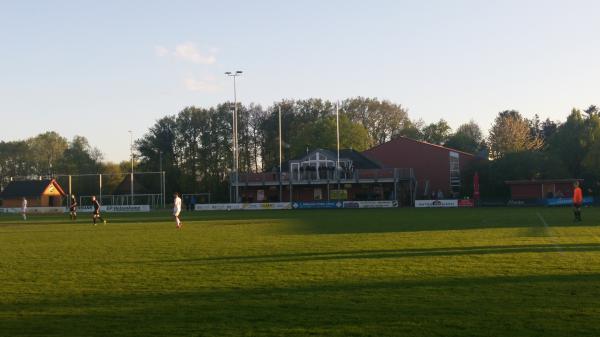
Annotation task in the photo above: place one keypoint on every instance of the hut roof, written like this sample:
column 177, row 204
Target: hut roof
column 29, row 188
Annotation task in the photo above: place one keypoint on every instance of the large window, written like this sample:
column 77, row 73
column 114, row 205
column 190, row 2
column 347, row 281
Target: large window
column 454, row 172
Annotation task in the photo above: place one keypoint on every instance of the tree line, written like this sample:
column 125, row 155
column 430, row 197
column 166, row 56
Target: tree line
column 49, row 154
column 194, row 146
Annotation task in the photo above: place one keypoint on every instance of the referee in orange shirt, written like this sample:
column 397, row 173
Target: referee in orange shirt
column 577, row 200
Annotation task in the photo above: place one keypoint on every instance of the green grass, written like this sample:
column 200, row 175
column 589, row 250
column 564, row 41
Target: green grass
column 395, row 272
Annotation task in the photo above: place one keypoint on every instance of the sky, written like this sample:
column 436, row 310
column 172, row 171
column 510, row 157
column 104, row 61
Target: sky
column 102, row 68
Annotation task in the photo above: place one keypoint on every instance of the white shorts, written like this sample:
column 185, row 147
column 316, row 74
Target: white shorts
column 176, row 212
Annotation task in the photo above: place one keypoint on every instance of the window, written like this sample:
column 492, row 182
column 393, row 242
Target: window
column 454, row 172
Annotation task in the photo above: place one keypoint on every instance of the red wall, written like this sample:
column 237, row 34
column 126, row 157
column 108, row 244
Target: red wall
column 526, row 191
column 533, row 190
column 429, row 162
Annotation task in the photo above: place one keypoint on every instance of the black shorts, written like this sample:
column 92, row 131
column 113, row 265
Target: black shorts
column 73, row 209
column 577, row 205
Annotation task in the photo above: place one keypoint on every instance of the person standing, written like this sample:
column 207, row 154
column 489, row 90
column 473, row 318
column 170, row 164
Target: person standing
column 73, row 208
column 24, row 208
column 577, row 200
column 192, row 203
column 96, row 214
column 177, row 209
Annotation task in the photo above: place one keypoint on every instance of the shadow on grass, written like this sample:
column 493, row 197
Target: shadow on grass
column 388, row 254
column 548, row 305
column 351, row 221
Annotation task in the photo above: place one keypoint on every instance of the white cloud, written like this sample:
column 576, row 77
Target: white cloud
column 205, row 85
column 188, row 51
column 161, row 51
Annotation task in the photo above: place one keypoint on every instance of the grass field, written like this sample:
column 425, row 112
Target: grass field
column 395, row 272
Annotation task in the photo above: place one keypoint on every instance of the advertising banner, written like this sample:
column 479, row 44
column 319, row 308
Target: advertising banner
column 338, row 194
column 466, row 203
column 35, row 210
column 371, row 204
column 115, row 209
column 526, row 202
column 246, row 207
column 436, row 203
column 567, row 201
column 317, row 204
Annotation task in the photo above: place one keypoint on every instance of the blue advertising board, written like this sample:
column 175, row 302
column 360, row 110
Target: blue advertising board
column 316, row 204
column 567, row 201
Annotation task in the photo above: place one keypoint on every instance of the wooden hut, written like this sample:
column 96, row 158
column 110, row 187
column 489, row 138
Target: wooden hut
column 39, row 193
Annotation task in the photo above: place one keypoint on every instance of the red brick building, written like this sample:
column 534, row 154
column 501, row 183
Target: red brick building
column 401, row 169
column 436, row 168
column 319, row 176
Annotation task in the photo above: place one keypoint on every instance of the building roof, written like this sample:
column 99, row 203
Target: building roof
column 28, row 188
column 359, row 160
column 124, row 186
column 541, row 181
column 402, row 138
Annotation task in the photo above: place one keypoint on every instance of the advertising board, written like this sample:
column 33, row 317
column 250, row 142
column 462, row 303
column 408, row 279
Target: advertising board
column 116, row 208
column 436, row 203
column 371, row 204
column 246, row 207
column 35, row 210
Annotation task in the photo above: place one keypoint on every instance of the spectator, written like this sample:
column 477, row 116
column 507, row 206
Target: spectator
column 193, row 202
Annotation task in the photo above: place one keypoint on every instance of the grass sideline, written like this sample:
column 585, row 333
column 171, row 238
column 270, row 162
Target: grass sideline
column 388, row 272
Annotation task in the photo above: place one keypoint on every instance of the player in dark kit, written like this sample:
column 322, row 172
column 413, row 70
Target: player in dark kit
column 96, row 214
column 73, row 208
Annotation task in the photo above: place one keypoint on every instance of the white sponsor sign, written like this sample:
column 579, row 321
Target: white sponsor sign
column 248, row 207
column 116, row 208
column 371, row 204
column 35, row 210
column 436, row 203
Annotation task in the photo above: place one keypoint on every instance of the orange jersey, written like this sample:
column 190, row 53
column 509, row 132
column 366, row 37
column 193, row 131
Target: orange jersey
column 577, row 196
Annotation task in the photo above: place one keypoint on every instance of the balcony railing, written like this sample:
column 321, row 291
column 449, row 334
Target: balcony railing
column 324, row 176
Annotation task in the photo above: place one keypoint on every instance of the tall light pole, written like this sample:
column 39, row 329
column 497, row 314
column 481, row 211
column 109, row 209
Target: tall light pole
column 131, row 154
column 280, row 186
column 235, row 132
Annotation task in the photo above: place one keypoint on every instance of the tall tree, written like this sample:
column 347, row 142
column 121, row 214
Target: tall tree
column 46, row 151
column 382, row 119
column 80, row 157
column 437, row 133
column 14, row 161
column 574, row 138
column 511, row 133
column 321, row 133
column 468, row 137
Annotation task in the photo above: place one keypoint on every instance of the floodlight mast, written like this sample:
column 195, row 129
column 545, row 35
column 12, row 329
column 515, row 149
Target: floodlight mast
column 131, row 154
column 235, row 132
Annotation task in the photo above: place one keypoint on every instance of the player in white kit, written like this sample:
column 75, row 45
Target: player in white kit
column 177, row 209
column 24, row 208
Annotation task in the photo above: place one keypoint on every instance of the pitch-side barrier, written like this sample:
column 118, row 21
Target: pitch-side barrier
column 81, row 209
column 297, row 205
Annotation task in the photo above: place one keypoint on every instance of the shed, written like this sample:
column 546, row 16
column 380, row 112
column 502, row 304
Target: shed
column 39, row 193
column 541, row 189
